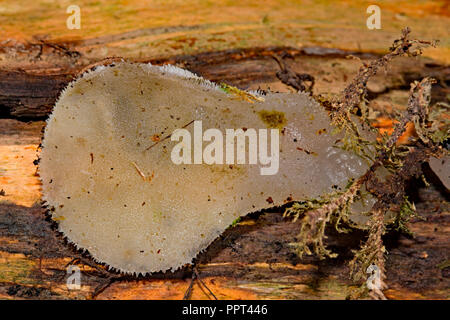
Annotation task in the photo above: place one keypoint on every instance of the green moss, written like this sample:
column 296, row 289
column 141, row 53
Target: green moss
column 235, row 222
column 407, row 211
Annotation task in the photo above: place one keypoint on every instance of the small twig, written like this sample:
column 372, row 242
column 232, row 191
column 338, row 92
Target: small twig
column 355, row 92
column 196, row 276
column 58, row 47
column 139, row 171
column 103, row 286
column 202, row 283
column 187, row 294
column 291, row 78
column 90, row 263
column 167, row 137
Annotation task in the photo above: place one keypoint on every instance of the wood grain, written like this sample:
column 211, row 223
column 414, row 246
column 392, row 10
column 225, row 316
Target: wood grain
column 253, row 260
column 233, row 44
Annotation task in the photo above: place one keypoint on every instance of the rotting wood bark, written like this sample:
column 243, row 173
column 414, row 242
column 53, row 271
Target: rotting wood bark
column 30, row 94
column 253, row 255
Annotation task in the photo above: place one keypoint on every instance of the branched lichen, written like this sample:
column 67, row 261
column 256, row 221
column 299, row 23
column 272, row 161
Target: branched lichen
column 353, row 96
column 316, row 214
column 372, row 252
column 402, row 162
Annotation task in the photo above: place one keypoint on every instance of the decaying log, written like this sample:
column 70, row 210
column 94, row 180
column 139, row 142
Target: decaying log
column 253, row 260
column 24, row 95
column 30, row 94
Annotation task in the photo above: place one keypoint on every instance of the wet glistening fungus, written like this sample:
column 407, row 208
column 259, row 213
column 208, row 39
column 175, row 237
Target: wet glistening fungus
column 109, row 180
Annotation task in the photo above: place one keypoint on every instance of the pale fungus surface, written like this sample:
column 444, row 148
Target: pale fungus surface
column 111, row 184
